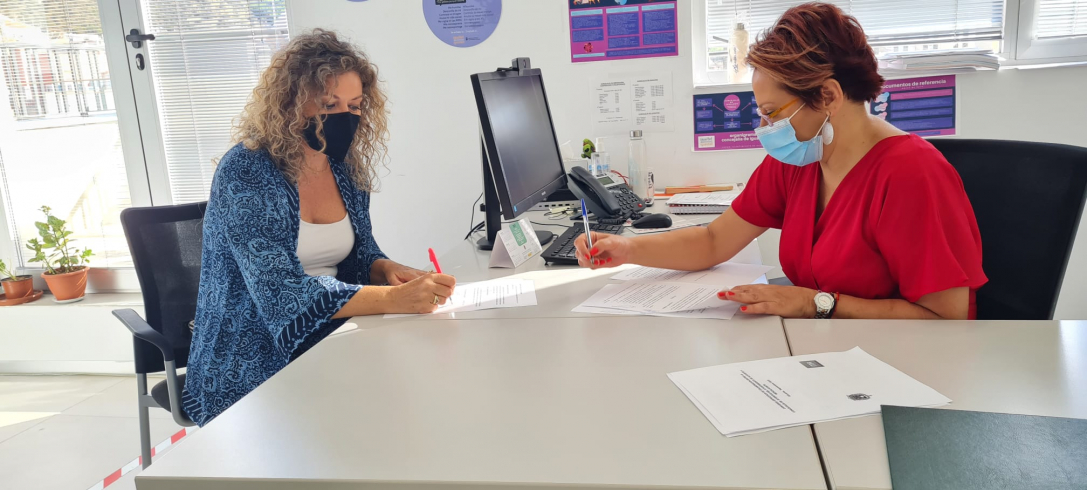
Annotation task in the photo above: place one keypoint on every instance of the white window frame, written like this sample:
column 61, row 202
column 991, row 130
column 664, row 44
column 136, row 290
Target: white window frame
column 1019, row 50
column 1044, row 51
column 133, row 147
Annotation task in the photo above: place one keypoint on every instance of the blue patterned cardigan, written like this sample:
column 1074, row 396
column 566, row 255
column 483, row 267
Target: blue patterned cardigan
column 257, row 310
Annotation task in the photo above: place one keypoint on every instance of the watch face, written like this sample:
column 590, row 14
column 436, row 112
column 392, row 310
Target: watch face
column 824, row 301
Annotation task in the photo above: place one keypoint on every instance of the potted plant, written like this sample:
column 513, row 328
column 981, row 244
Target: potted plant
column 67, row 280
column 15, row 287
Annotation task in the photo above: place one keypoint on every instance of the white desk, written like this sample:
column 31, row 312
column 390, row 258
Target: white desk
column 559, row 288
column 456, row 404
column 1033, row 368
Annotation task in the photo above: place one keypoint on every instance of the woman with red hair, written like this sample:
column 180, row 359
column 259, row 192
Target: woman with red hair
column 874, row 222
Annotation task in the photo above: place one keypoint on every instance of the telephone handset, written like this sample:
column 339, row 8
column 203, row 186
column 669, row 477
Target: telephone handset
column 598, row 198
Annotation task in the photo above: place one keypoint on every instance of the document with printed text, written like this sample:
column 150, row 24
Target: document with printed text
column 758, row 396
column 485, row 295
column 726, row 275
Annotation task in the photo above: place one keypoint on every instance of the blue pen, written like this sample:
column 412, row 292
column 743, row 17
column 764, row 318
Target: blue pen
column 585, row 220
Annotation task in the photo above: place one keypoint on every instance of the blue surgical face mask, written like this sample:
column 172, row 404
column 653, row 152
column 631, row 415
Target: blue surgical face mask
column 780, row 142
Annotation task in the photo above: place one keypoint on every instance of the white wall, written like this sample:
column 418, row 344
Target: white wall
column 434, row 169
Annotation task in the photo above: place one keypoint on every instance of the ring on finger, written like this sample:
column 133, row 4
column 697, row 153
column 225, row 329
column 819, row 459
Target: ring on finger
column 437, row 299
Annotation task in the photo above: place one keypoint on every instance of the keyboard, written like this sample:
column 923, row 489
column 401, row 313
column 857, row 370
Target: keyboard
column 562, row 250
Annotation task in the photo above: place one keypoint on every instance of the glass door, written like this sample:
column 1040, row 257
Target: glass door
column 64, row 143
column 106, row 104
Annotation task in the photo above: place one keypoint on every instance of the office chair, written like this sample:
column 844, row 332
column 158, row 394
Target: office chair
column 1028, row 198
column 165, row 242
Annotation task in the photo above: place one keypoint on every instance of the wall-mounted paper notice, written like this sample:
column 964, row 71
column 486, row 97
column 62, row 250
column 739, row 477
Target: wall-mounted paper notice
column 624, row 102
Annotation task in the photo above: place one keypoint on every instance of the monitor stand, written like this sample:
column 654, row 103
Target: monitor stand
column 492, row 208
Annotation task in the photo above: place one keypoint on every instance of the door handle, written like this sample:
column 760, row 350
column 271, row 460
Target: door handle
column 137, row 39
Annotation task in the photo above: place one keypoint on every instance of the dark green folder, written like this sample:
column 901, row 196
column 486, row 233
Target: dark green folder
column 935, row 449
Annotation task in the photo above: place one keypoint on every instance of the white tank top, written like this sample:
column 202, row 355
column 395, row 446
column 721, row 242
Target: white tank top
column 321, row 247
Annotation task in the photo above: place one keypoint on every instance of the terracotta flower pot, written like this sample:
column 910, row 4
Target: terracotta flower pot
column 18, row 288
column 67, row 286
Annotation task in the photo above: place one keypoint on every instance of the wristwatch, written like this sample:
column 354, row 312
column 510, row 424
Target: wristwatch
column 825, row 303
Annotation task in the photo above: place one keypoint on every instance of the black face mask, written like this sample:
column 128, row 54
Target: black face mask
column 339, row 130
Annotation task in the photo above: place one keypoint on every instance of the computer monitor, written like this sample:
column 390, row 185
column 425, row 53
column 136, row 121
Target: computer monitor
column 521, row 160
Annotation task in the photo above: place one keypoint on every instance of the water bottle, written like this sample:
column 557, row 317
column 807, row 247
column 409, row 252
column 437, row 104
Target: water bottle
column 636, row 162
column 601, row 161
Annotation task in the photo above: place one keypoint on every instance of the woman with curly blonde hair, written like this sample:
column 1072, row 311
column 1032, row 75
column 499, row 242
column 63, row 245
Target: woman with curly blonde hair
column 288, row 248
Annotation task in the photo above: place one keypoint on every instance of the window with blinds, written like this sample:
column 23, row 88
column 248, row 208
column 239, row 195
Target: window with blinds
column 1060, row 19
column 60, row 145
column 889, row 24
column 205, row 61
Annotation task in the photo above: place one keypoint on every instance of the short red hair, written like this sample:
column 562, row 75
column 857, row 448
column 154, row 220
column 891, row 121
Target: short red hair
column 812, row 43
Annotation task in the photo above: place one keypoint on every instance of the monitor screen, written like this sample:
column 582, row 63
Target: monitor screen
column 523, row 135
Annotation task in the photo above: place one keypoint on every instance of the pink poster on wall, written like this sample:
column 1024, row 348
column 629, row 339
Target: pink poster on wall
column 924, row 106
column 725, row 121
column 602, row 30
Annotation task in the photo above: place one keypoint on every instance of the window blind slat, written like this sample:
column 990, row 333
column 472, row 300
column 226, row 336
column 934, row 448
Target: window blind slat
column 1056, row 19
column 886, row 22
column 205, row 61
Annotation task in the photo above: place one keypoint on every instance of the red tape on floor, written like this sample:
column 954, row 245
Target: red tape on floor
column 138, row 462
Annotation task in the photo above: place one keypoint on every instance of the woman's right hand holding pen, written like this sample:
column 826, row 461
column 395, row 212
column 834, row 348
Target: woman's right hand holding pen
column 607, row 250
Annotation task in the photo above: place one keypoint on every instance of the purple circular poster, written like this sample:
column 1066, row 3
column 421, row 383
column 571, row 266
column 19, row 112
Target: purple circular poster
column 462, row 23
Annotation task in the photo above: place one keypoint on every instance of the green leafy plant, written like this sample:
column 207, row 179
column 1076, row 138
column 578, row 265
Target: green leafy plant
column 4, row 271
column 55, row 246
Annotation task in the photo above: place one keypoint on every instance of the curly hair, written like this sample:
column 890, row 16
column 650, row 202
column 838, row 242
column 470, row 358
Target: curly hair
column 300, row 73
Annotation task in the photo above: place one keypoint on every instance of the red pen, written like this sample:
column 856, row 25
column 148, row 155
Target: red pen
column 434, row 260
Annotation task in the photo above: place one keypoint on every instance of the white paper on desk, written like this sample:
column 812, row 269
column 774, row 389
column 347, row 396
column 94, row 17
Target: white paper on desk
column 724, row 310
column 726, row 276
column 758, row 396
column 485, row 295
column 655, row 297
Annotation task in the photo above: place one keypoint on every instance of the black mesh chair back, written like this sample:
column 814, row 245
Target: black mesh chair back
column 1028, row 198
column 165, row 242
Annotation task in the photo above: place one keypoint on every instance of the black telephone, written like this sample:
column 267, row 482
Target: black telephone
column 606, row 199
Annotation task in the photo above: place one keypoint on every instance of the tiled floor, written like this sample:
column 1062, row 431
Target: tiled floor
column 70, row 432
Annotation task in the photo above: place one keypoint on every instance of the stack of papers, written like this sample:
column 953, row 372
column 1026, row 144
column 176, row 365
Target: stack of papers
column 701, row 203
column 759, row 396
column 485, row 295
column 668, row 293
column 721, row 198
column 948, row 59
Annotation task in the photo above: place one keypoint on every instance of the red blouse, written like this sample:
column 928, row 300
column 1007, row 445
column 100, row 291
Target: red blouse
column 898, row 226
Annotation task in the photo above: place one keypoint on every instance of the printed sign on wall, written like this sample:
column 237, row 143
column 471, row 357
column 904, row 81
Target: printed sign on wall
column 725, row 121
column 923, row 106
column 602, row 30
column 462, row 23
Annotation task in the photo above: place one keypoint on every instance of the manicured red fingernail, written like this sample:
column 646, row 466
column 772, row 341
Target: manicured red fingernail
column 743, row 308
column 593, row 251
column 609, row 259
column 721, row 295
column 730, row 293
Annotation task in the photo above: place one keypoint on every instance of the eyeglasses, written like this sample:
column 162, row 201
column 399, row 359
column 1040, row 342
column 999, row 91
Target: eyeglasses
column 768, row 119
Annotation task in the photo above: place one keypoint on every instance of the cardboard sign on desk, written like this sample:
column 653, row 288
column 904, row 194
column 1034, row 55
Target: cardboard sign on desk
column 516, row 243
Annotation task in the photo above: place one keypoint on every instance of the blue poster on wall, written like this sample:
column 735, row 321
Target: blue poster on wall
column 462, row 23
